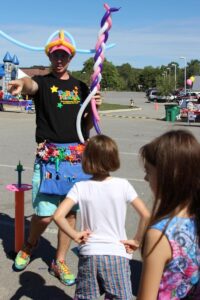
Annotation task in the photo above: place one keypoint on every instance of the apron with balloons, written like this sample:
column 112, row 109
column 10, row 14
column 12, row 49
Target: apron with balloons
column 60, row 166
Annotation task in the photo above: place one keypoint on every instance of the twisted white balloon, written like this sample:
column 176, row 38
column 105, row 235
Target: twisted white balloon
column 99, row 61
column 80, row 113
column 96, row 76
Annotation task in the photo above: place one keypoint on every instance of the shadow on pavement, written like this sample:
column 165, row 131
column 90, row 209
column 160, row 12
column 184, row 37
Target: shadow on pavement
column 7, row 234
column 136, row 270
column 33, row 287
column 32, row 284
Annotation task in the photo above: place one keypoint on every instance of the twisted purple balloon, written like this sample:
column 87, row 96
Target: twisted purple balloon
column 96, row 77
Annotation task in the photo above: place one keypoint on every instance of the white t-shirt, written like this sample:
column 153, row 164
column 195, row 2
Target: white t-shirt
column 103, row 207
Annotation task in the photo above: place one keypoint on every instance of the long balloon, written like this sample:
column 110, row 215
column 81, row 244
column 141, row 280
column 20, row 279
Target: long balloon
column 33, row 48
column 96, row 77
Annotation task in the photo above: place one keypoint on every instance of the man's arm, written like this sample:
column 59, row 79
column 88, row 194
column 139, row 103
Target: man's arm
column 24, row 85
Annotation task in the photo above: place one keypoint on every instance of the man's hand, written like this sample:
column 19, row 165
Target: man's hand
column 24, row 85
column 15, row 87
column 98, row 99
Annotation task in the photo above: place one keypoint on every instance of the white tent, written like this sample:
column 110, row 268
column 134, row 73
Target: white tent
column 196, row 84
column 21, row 74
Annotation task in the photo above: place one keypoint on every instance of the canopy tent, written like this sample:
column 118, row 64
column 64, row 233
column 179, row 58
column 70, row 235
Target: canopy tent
column 196, row 84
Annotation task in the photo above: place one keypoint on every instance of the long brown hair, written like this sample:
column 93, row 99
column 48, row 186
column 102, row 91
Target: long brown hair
column 176, row 157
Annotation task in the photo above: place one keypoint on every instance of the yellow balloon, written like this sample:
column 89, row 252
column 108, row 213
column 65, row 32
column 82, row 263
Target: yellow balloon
column 192, row 78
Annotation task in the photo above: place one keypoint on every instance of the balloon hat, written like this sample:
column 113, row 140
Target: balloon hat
column 61, row 43
column 68, row 44
column 34, row 48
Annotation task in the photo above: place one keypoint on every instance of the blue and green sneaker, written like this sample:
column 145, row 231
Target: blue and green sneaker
column 23, row 257
column 60, row 270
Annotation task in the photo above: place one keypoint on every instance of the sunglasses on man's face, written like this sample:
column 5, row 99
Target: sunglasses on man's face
column 60, row 55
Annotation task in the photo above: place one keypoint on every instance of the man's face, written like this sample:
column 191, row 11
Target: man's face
column 59, row 60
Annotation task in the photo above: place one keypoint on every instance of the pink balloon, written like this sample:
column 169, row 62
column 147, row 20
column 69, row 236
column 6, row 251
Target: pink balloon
column 189, row 82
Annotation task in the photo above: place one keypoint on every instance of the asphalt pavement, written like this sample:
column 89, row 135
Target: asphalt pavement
column 130, row 128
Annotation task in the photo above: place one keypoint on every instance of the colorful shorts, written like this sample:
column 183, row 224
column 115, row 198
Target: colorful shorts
column 99, row 274
column 45, row 204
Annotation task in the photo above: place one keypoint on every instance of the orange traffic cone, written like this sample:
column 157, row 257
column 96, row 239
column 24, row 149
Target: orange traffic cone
column 156, row 105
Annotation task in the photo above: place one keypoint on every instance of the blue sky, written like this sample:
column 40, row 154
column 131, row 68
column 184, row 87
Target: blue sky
column 145, row 32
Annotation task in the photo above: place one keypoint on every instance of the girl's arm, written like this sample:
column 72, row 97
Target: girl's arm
column 60, row 219
column 144, row 214
column 142, row 210
column 154, row 262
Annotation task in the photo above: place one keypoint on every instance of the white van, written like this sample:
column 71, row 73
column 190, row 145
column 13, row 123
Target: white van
column 153, row 95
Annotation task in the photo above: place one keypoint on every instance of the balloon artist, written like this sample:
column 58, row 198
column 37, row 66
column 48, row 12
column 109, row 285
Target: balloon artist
column 58, row 97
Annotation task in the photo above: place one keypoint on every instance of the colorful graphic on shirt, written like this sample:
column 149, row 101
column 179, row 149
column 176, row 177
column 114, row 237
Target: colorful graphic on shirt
column 182, row 272
column 66, row 97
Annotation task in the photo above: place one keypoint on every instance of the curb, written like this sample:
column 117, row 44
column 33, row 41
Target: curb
column 125, row 117
column 129, row 117
column 106, row 113
column 119, row 110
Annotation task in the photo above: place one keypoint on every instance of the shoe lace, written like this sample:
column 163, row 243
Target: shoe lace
column 24, row 253
column 64, row 268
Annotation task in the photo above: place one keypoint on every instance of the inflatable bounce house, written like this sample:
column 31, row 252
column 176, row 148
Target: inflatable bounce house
column 8, row 71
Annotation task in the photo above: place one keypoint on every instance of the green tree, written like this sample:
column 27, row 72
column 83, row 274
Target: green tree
column 125, row 77
column 193, row 68
column 164, row 86
column 147, row 77
column 111, row 79
column 130, row 77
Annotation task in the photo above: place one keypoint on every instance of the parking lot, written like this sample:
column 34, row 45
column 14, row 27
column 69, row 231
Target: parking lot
column 130, row 128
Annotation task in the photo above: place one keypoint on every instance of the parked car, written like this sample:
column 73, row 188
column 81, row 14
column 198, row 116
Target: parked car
column 148, row 91
column 192, row 96
column 153, row 95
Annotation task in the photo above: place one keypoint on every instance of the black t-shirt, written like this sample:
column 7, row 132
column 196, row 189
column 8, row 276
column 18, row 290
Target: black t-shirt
column 57, row 104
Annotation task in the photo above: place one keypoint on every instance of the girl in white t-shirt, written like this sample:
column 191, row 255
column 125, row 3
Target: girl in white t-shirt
column 103, row 260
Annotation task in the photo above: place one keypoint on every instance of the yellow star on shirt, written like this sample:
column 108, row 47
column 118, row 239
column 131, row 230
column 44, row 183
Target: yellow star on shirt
column 54, row 89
